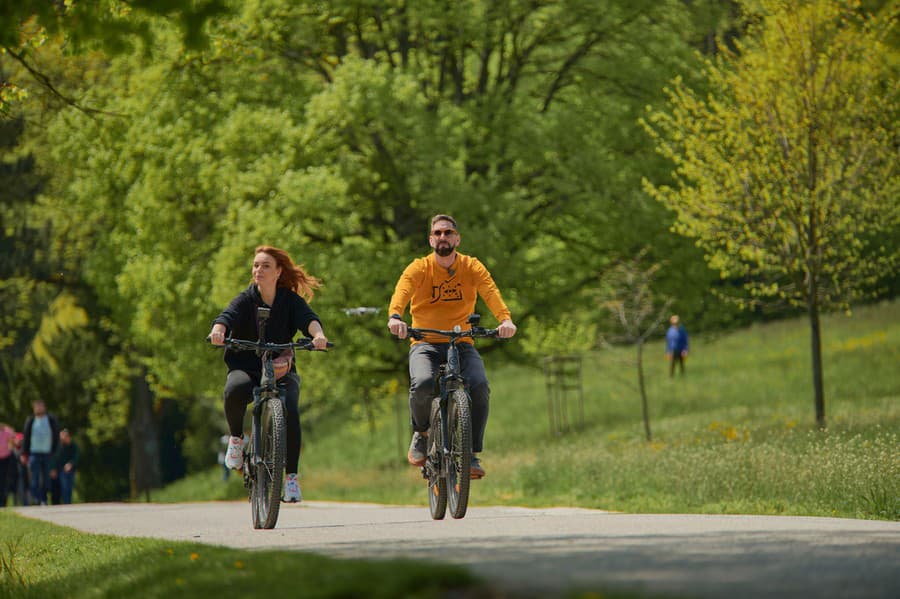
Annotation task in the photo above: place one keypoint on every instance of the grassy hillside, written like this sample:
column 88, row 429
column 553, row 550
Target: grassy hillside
column 736, row 434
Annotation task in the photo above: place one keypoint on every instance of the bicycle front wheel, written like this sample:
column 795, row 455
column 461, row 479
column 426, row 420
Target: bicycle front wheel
column 269, row 471
column 437, row 484
column 458, row 473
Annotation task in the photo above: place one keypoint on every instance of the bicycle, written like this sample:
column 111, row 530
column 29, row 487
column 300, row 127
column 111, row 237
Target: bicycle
column 449, row 455
column 264, row 456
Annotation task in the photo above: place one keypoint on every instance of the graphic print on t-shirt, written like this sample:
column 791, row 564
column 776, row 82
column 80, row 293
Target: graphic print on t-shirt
column 448, row 291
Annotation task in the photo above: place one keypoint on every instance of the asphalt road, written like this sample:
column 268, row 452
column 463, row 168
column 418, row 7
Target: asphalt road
column 545, row 552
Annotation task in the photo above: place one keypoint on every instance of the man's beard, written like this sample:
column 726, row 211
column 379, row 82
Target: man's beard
column 443, row 250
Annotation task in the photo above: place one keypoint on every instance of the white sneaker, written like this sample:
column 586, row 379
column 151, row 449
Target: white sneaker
column 292, row 490
column 234, row 457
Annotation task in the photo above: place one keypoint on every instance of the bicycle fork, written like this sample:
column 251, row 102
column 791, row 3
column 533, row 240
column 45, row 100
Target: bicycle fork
column 256, row 436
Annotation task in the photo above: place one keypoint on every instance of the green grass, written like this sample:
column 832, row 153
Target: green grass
column 43, row 561
column 737, row 434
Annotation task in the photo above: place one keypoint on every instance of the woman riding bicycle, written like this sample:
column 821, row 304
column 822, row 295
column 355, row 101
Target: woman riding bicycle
column 284, row 287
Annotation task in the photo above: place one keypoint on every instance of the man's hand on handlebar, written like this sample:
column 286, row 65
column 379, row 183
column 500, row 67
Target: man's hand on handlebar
column 506, row 329
column 397, row 327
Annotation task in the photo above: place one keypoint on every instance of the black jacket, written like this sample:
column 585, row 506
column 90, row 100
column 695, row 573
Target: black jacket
column 290, row 313
column 54, row 431
column 66, row 454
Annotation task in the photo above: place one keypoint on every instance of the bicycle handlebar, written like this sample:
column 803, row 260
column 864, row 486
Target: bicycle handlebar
column 474, row 332
column 245, row 344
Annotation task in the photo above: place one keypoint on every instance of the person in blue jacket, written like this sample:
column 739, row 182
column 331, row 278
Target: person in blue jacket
column 676, row 345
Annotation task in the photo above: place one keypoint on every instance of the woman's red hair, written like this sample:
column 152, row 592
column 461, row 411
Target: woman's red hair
column 293, row 276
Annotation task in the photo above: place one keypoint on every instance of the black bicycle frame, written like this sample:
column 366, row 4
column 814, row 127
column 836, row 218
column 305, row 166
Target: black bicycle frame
column 450, row 380
column 268, row 387
column 449, row 376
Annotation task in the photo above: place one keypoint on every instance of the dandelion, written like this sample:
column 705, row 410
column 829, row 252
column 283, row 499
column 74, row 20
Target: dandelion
column 195, row 557
column 239, row 565
column 170, row 551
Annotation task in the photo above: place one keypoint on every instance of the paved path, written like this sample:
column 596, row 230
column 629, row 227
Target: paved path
column 544, row 552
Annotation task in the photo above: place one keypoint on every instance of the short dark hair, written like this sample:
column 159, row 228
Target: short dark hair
column 446, row 217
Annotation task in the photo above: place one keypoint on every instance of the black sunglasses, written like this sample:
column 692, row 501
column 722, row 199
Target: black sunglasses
column 444, row 232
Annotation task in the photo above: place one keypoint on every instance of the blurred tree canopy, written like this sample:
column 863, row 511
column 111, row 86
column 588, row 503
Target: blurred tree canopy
column 335, row 130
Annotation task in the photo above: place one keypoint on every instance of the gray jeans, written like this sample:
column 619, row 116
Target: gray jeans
column 424, row 361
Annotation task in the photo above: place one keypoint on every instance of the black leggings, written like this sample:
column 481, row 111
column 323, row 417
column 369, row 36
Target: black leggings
column 6, row 468
column 239, row 394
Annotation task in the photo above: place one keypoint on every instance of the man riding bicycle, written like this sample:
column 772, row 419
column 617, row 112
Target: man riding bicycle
column 441, row 290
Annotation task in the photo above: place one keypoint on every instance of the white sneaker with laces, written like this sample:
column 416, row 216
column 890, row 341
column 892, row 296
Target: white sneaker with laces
column 234, row 456
column 292, row 490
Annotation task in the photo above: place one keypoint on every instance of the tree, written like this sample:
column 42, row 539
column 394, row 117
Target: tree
column 335, row 129
column 627, row 293
column 116, row 27
column 787, row 172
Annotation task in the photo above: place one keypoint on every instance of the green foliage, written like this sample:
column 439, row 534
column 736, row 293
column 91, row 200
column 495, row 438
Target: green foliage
column 629, row 297
column 557, row 337
column 111, row 24
column 786, row 172
column 111, row 393
column 334, row 130
column 63, row 315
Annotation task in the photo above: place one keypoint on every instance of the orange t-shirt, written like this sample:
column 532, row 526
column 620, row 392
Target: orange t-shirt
column 441, row 298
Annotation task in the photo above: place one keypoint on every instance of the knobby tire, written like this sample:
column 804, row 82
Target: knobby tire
column 460, row 463
column 437, row 484
column 269, row 473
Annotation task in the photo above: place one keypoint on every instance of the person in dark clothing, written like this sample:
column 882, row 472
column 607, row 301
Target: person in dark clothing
column 285, row 288
column 39, row 444
column 19, row 482
column 7, row 458
column 64, row 462
column 676, row 345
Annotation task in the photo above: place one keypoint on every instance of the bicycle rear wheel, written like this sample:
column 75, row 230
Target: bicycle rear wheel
column 437, row 484
column 265, row 496
column 458, row 473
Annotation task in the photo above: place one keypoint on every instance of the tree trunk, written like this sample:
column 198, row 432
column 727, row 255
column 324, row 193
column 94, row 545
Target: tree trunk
column 816, row 339
column 145, row 470
column 369, row 408
column 640, row 369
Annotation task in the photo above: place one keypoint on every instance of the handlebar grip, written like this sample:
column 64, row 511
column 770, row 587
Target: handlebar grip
column 307, row 343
